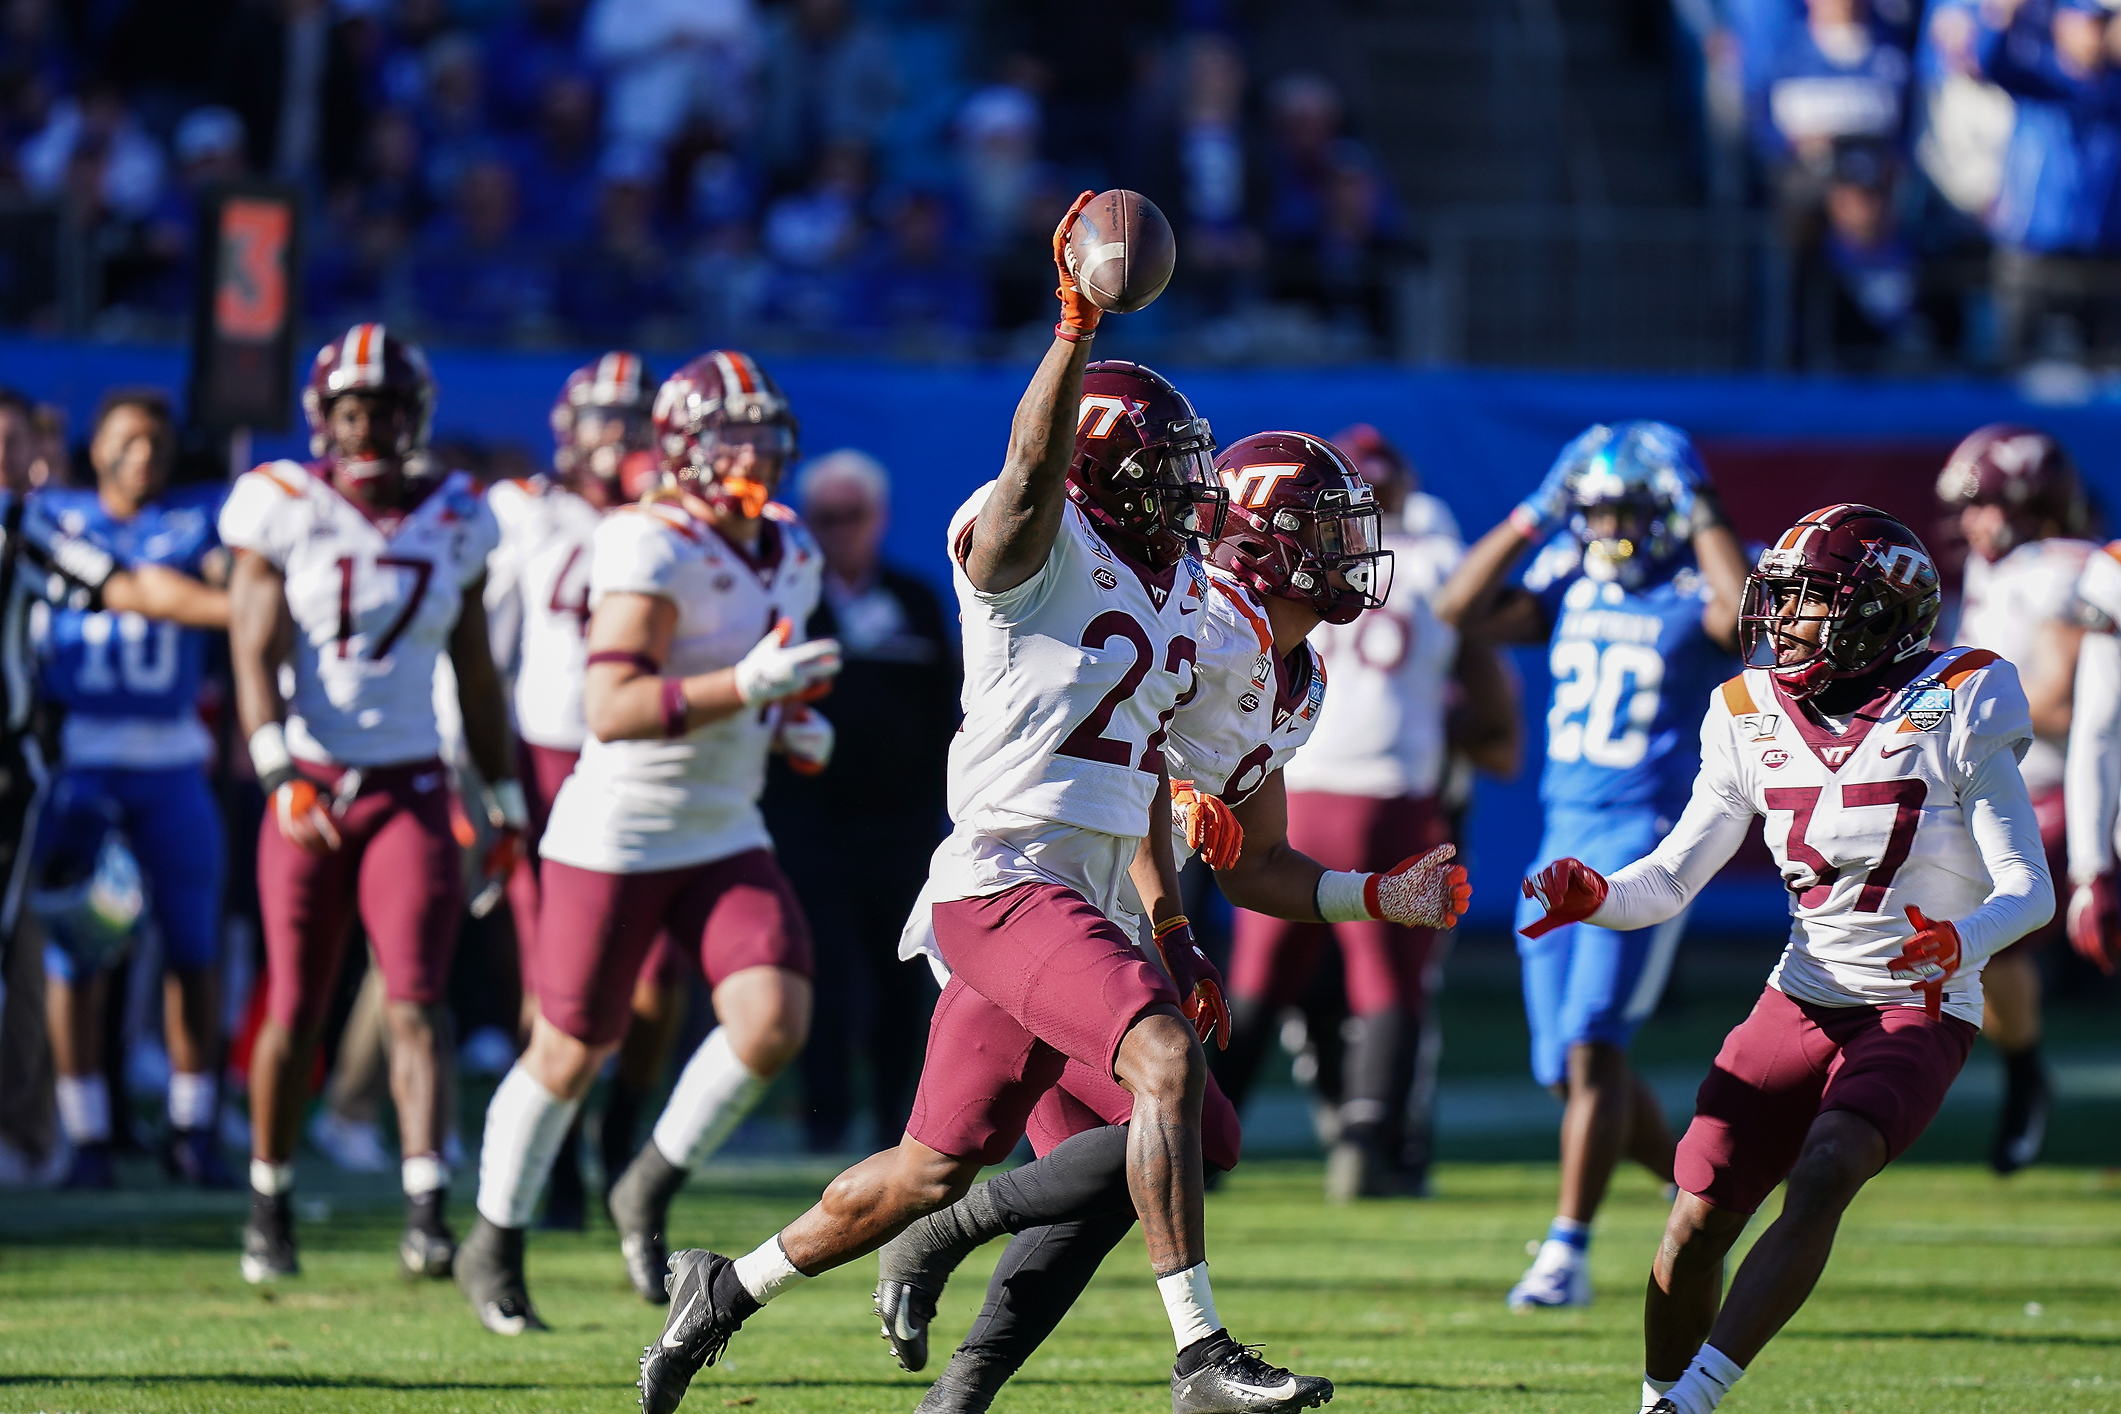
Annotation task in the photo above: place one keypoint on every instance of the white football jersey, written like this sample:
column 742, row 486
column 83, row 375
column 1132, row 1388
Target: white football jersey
column 1383, row 731
column 372, row 610
column 2094, row 764
column 1246, row 713
column 2001, row 606
column 537, row 603
column 1866, row 822
column 632, row 807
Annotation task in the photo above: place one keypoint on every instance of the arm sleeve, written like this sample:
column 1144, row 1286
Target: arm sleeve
column 2092, row 778
column 1999, row 813
column 1655, row 888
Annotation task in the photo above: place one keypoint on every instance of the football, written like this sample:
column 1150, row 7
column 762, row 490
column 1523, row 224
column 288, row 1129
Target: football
column 1121, row 251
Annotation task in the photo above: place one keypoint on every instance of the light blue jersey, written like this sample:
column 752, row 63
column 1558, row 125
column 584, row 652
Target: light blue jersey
column 130, row 685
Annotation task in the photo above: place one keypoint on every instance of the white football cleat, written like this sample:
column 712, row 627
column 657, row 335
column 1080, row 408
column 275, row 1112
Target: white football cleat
column 1559, row 1276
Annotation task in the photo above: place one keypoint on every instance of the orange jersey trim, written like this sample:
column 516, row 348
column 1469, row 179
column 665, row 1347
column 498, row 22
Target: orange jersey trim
column 1738, row 698
column 1258, row 621
column 266, row 471
column 1967, row 665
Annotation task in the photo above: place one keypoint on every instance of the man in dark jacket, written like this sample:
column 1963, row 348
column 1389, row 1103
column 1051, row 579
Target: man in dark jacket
column 855, row 840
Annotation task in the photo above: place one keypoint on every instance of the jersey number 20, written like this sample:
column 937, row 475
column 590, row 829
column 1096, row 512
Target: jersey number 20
column 1593, row 681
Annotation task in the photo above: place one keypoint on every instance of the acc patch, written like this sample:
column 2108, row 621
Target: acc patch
column 1105, row 578
column 1760, row 726
column 1775, row 758
column 1248, row 703
column 1926, row 708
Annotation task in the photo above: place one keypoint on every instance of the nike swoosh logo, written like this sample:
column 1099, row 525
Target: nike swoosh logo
column 1896, row 750
column 905, row 1327
column 1185, row 609
column 1281, row 1391
column 670, row 1341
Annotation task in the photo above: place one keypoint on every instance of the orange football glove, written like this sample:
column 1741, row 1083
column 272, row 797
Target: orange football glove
column 509, row 815
column 1931, row 958
column 1569, row 890
column 1427, row 891
column 805, row 738
column 1211, row 830
column 1200, row 986
column 303, row 812
column 1079, row 314
column 2094, row 923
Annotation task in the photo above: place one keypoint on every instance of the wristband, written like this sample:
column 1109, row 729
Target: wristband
column 1073, row 335
column 270, row 758
column 1169, row 926
column 507, row 808
column 1343, row 896
column 613, row 655
column 1526, row 522
column 675, row 707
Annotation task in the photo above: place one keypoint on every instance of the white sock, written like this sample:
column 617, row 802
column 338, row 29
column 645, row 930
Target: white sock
column 524, row 1127
column 1190, row 1304
column 423, row 1173
column 270, row 1178
column 1705, row 1382
column 84, row 1109
column 710, row 1099
column 766, row 1271
column 1654, row 1390
column 194, row 1099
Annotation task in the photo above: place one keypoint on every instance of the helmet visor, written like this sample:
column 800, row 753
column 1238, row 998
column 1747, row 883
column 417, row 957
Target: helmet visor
column 1785, row 620
column 771, row 444
column 1347, row 544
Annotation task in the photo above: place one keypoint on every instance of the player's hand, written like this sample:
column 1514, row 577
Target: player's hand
column 1210, row 829
column 776, row 668
column 805, row 738
column 509, row 814
column 2094, row 923
column 1569, row 890
column 1930, row 959
column 1200, row 985
column 1541, row 514
column 1078, row 313
column 303, row 813
column 1427, row 891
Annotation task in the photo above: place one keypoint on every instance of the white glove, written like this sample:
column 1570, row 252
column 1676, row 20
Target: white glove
column 775, row 668
column 806, row 739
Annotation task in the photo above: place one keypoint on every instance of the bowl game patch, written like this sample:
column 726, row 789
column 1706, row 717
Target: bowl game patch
column 1925, row 708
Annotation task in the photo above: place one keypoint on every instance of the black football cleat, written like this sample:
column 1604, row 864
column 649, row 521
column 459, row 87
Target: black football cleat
column 640, row 1208
column 968, row 1386
column 489, row 1271
column 428, row 1249
column 193, row 1157
column 269, row 1239
column 1664, row 1406
column 1234, row 1380
column 906, row 1310
column 694, row 1336
column 2022, row 1130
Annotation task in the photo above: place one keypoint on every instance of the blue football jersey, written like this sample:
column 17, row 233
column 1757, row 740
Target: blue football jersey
column 1632, row 672
column 108, row 668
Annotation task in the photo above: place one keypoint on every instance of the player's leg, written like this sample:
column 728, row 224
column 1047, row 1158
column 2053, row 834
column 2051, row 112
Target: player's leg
column 742, row 918
column 2011, row 1013
column 411, row 895
column 596, row 929
column 1886, row 1085
column 1543, row 965
column 658, row 1013
column 75, row 1001
column 1271, row 960
column 306, row 908
column 175, row 825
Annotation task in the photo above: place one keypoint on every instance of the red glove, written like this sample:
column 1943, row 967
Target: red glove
column 509, row 814
column 1199, row 985
column 1931, row 958
column 1079, row 315
column 304, row 815
column 1569, row 890
column 1426, row 891
column 2094, row 924
column 1211, row 830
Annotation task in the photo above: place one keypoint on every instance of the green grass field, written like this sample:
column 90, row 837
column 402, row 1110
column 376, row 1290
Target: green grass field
column 1951, row 1291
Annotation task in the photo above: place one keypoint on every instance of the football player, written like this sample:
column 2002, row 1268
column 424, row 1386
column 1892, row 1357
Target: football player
column 1080, row 595
column 135, row 756
column 354, row 573
column 1638, row 599
column 2094, row 764
column 537, row 598
column 658, row 827
column 2015, row 498
column 1302, row 546
column 1887, row 777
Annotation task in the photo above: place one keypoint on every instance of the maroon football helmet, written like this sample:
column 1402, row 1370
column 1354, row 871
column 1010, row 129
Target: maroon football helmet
column 1303, row 525
column 369, row 359
column 1863, row 574
column 601, row 415
column 720, row 402
column 1144, row 464
column 2023, row 470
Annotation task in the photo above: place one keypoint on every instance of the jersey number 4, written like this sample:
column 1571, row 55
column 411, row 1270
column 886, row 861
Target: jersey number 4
column 1088, row 741
column 422, row 572
column 1906, row 796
